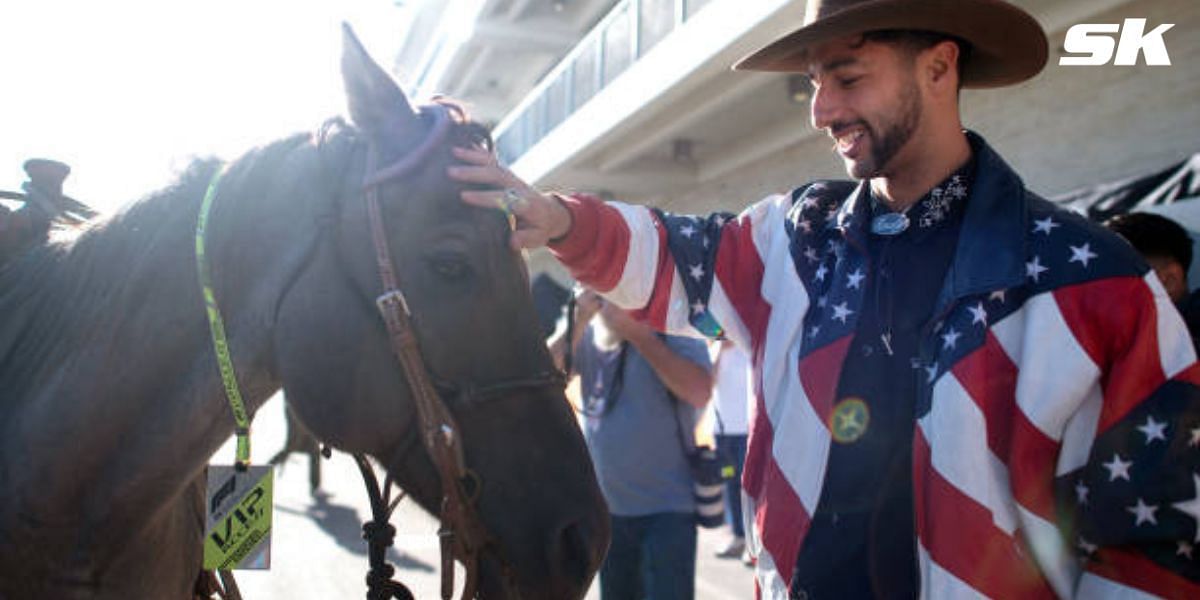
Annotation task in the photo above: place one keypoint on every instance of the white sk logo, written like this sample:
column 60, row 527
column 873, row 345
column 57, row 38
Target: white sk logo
column 1096, row 41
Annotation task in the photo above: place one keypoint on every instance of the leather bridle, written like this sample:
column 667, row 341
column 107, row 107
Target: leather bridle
column 462, row 532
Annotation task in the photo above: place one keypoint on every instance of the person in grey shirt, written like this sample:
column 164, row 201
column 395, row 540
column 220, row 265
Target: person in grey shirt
column 641, row 394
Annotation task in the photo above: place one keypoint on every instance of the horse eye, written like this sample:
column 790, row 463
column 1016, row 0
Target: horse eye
column 451, row 267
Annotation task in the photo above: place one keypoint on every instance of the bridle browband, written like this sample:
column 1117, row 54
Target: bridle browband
column 461, row 532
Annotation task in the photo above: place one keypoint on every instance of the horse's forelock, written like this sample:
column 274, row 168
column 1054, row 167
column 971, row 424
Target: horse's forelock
column 468, row 131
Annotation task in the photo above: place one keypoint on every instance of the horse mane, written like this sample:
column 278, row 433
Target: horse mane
column 55, row 293
column 52, row 297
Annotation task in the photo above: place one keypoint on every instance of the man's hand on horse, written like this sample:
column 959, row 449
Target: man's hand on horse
column 539, row 217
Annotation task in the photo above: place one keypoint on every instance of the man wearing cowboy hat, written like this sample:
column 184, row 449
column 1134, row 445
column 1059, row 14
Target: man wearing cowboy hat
column 961, row 390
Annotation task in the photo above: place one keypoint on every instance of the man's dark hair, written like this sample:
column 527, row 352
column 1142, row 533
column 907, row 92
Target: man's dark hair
column 915, row 40
column 1154, row 235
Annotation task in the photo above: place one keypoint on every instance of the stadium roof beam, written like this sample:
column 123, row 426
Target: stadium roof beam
column 758, row 145
column 640, row 181
column 686, row 119
column 528, row 35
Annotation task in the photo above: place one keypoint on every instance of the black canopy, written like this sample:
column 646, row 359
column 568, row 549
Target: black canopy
column 1177, row 182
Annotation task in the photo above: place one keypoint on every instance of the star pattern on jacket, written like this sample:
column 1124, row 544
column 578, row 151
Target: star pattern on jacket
column 692, row 242
column 1143, row 484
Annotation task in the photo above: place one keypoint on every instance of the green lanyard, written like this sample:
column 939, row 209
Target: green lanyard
column 217, row 326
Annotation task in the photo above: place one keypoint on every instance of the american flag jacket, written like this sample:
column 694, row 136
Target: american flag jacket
column 1056, row 447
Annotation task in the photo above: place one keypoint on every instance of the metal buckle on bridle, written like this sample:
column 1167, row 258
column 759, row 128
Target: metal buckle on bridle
column 392, row 298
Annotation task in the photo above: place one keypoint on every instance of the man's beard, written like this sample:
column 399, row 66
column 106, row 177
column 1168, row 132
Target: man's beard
column 896, row 134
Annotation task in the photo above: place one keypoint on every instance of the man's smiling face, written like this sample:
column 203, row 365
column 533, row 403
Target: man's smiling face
column 866, row 97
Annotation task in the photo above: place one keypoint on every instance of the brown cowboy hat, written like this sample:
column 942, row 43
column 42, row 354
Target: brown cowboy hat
column 1007, row 44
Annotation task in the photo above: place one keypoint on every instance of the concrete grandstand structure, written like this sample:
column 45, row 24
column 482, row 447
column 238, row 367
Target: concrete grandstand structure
column 644, row 108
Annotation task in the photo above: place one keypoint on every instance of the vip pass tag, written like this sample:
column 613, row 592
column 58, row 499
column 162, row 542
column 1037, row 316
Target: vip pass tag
column 237, row 530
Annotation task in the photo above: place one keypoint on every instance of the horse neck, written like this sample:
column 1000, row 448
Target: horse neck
column 118, row 399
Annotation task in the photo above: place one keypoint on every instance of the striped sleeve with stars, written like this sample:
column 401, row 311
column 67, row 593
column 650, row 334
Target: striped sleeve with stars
column 684, row 275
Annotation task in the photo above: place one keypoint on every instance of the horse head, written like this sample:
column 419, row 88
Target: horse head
column 473, row 316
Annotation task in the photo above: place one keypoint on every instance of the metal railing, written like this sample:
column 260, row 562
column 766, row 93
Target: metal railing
column 630, row 30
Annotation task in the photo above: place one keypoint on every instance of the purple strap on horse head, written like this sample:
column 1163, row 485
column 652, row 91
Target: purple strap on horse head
column 411, row 160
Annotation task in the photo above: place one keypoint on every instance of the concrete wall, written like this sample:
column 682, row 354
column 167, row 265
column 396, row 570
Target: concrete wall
column 1074, row 126
column 1068, row 127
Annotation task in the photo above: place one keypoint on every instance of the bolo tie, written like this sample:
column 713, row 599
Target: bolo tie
column 888, row 225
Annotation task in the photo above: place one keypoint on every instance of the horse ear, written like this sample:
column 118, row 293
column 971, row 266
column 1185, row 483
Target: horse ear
column 377, row 105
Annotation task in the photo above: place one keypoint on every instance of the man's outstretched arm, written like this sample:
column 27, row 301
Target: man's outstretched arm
column 680, row 274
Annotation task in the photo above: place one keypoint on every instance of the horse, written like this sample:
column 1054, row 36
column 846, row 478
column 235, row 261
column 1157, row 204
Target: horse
column 298, row 439
column 112, row 401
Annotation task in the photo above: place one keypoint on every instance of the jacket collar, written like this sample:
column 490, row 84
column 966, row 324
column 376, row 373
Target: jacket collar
column 991, row 247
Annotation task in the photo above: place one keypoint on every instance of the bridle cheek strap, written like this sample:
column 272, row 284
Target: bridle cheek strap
column 461, row 532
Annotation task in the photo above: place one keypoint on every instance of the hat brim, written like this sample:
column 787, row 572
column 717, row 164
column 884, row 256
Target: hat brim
column 1007, row 44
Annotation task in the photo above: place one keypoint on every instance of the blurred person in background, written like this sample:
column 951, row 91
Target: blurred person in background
column 1166, row 245
column 640, row 391
column 731, row 392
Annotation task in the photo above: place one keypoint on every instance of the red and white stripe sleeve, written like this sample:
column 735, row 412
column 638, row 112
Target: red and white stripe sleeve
column 623, row 252
column 1147, row 363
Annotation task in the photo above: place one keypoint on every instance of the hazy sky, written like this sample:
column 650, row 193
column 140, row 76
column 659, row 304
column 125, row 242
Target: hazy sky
column 127, row 91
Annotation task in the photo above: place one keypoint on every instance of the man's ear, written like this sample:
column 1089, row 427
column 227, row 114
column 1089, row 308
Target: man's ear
column 940, row 65
column 1174, row 278
column 1171, row 274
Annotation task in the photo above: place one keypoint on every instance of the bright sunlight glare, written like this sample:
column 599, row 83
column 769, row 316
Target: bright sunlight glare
column 128, row 92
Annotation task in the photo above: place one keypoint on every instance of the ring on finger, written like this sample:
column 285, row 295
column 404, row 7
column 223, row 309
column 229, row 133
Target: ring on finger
column 506, row 202
column 512, row 198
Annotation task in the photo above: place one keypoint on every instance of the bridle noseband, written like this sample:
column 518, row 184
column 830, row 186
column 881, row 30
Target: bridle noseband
column 462, row 533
